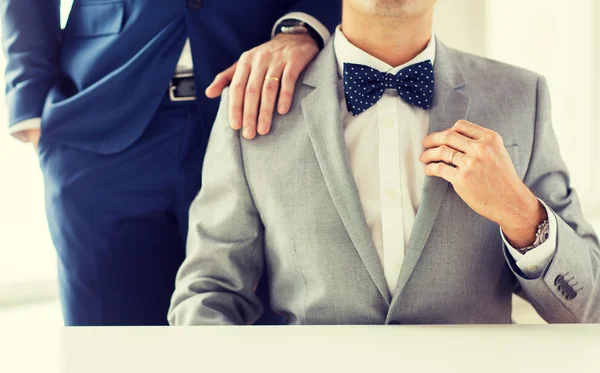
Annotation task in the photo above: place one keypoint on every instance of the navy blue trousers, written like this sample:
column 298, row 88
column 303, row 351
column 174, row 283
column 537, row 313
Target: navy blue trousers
column 119, row 222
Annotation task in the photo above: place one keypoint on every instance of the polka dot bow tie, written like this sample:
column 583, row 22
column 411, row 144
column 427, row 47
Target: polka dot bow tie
column 364, row 85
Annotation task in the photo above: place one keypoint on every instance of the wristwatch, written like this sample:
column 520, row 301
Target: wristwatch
column 542, row 234
column 295, row 26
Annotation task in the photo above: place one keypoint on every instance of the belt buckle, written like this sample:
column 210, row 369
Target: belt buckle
column 172, row 88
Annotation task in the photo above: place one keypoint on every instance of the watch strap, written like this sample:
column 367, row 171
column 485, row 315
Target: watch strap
column 542, row 234
column 296, row 26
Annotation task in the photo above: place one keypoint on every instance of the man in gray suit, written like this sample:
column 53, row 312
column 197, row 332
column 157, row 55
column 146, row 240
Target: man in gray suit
column 410, row 183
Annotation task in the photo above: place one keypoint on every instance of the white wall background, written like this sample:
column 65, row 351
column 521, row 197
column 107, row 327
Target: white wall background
column 460, row 24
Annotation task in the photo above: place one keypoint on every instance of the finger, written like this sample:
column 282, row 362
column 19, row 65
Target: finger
column 267, row 99
column 288, row 84
column 450, row 138
column 469, row 129
column 236, row 94
column 440, row 169
column 252, row 99
column 222, row 80
column 443, row 154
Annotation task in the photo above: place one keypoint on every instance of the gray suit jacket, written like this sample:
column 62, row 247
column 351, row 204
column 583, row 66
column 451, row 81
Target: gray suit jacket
column 286, row 205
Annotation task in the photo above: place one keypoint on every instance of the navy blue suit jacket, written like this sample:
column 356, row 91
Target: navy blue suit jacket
column 97, row 83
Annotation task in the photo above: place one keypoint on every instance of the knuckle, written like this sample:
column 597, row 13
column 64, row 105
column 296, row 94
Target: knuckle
column 285, row 95
column 469, row 162
column 492, row 137
column 249, row 118
column 499, row 139
column 237, row 86
column 246, row 57
column 251, row 91
column 443, row 150
column 291, row 74
column 478, row 147
column 295, row 55
column 261, row 56
column 235, row 110
column 265, row 114
column 459, row 123
column 270, row 88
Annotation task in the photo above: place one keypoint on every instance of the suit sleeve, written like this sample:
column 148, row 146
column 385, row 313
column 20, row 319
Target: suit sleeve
column 568, row 290
column 31, row 43
column 216, row 283
column 327, row 12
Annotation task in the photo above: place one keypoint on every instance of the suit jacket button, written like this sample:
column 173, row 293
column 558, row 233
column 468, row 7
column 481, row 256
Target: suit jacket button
column 563, row 287
column 194, row 4
column 559, row 280
column 571, row 295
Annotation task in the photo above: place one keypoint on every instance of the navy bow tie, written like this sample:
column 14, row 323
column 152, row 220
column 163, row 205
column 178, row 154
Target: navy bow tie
column 364, row 85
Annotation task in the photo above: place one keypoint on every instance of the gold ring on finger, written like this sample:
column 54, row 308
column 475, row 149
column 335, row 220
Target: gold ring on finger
column 452, row 156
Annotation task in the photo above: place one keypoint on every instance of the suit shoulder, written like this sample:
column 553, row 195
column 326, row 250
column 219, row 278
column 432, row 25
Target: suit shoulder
column 481, row 69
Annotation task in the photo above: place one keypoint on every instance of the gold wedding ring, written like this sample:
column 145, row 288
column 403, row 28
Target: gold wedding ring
column 271, row 77
column 452, row 156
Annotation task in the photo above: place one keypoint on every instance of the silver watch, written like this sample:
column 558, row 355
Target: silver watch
column 298, row 28
column 542, row 234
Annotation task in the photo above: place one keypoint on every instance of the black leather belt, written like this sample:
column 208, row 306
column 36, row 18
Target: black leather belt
column 182, row 87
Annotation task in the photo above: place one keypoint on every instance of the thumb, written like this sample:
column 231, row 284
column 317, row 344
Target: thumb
column 222, row 80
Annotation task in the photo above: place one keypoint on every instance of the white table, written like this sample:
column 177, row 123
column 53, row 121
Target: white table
column 511, row 348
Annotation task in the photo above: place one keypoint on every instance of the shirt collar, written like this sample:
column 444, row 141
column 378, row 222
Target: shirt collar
column 347, row 52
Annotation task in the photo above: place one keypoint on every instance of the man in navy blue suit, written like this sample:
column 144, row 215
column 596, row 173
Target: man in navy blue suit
column 110, row 103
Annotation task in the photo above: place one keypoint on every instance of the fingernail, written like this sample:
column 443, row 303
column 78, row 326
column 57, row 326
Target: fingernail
column 282, row 109
column 235, row 124
column 262, row 128
column 248, row 133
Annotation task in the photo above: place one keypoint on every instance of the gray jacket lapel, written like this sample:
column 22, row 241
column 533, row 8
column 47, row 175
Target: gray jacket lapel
column 321, row 112
column 449, row 105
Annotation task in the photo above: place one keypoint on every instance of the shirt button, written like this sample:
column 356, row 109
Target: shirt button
column 391, row 194
column 532, row 268
column 388, row 123
column 194, row 4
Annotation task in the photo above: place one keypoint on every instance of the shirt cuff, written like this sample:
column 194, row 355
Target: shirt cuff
column 18, row 130
column 533, row 262
column 308, row 19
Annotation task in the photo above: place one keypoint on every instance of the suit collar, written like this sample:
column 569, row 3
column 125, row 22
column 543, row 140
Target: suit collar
column 447, row 67
column 323, row 70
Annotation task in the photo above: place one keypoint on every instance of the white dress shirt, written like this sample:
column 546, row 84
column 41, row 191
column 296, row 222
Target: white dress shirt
column 186, row 65
column 384, row 144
